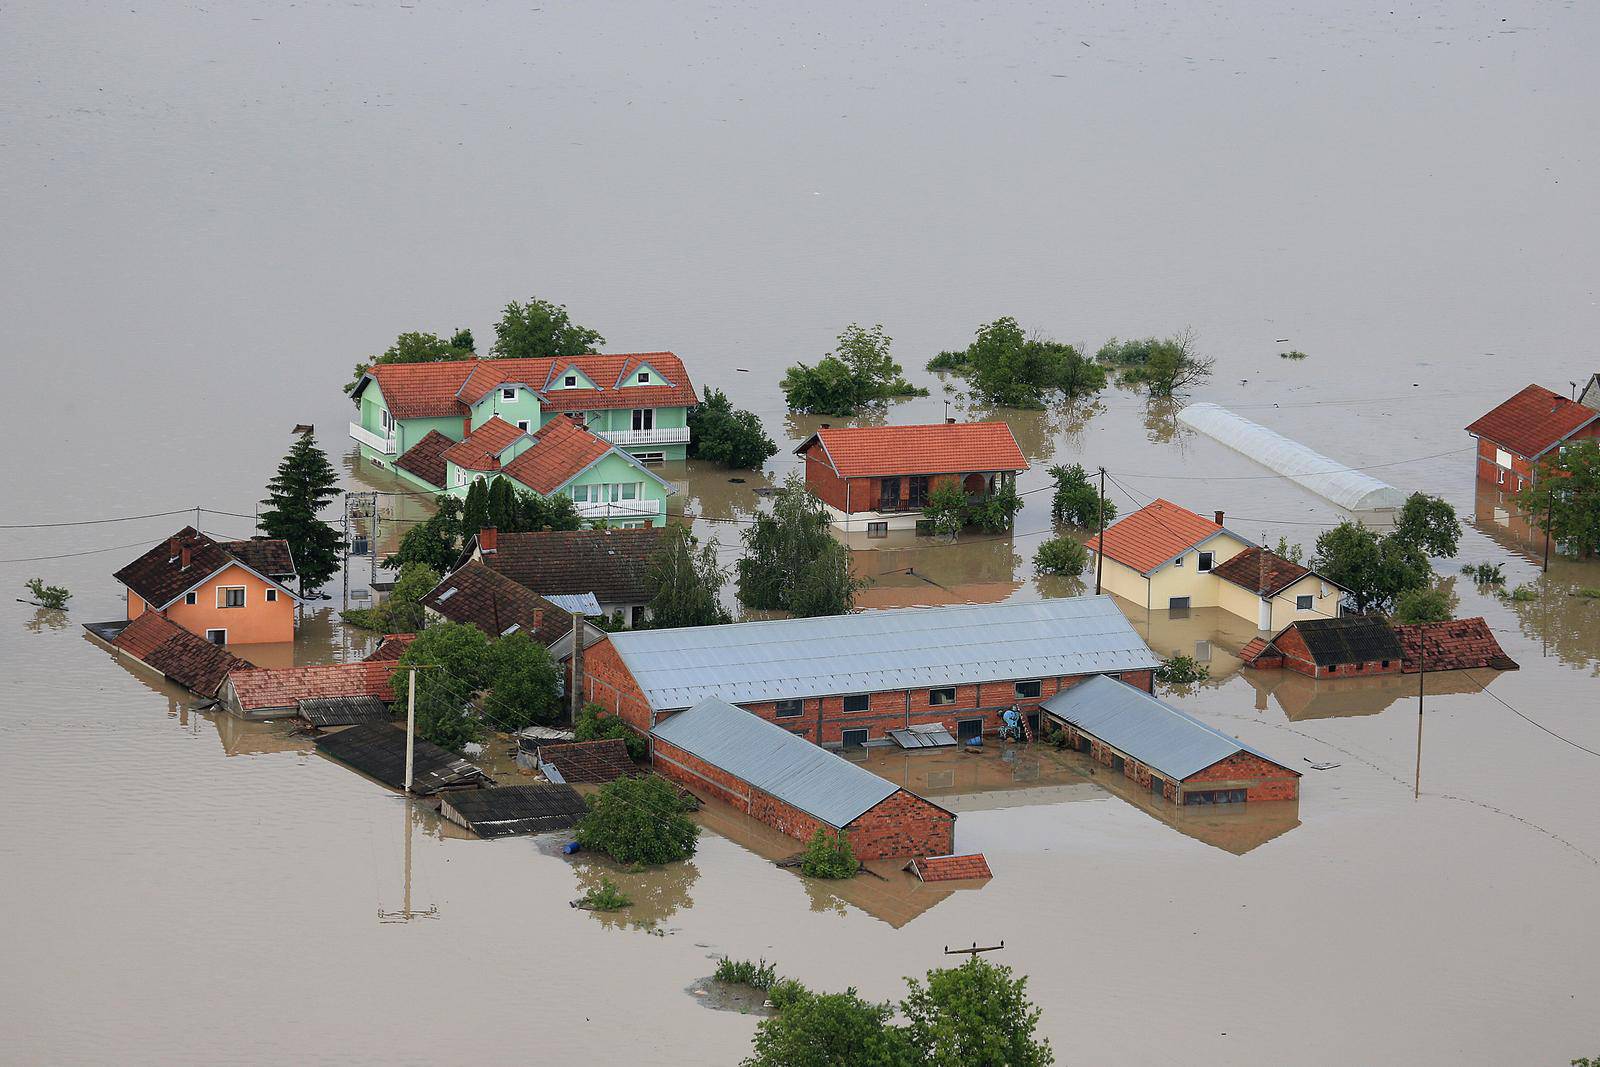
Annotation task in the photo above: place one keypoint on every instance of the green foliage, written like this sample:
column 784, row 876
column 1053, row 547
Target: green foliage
column 723, row 434
column 1430, row 524
column 48, row 596
column 303, row 486
column 1076, row 500
column 685, row 581
column 594, row 725
column 946, row 510
column 604, row 897
column 792, row 561
column 1293, row 553
column 1564, row 500
column 859, row 372
column 1522, row 594
column 974, row 1014
column 541, row 329
column 1061, row 555
column 1586, row 1061
column 524, row 682
column 1485, row 574
column 1375, row 570
column 1589, row 594
column 1424, row 604
column 949, row 361
column 1007, row 367
column 401, row 612
column 455, row 665
column 995, row 512
column 1293, row 353
column 475, row 508
column 638, row 820
column 1165, row 367
column 829, row 855
column 756, row 975
column 1182, row 670
column 831, row 1030
column 785, row 992
column 418, row 347
column 436, row 543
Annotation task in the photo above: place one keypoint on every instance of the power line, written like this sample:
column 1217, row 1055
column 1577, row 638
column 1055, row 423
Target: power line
column 1264, row 477
column 92, row 522
column 1540, row 725
column 88, row 552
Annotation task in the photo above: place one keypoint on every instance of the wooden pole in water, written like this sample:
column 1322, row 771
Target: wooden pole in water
column 1422, row 674
column 1549, row 516
column 1100, row 546
column 411, row 727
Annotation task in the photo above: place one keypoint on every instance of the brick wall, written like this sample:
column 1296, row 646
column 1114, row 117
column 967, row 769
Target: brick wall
column 1263, row 779
column 1297, row 657
column 608, row 682
column 822, row 479
column 903, row 825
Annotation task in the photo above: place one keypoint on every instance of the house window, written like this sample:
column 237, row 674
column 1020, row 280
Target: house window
column 272, row 596
column 191, row 598
column 630, row 490
column 1178, row 562
column 857, row 702
column 570, row 381
column 936, row 697
column 854, row 738
column 644, row 377
column 636, row 616
column 1385, row 664
column 644, row 418
column 522, row 424
column 508, row 394
column 877, row 529
column 230, row 596
column 889, row 499
column 1304, row 603
column 1027, row 690
column 580, row 493
column 1205, row 561
column 1178, row 603
column 217, row 637
column 917, row 491
column 650, row 458
column 786, row 709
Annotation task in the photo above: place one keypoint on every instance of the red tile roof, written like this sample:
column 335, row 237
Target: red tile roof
column 1260, row 571
column 423, row 390
column 431, row 390
column 1533, row 421
column 391, row 647
column 614, row 565
column 1252, row 649
column 560, row 450
column 1456, row 645
column 480, row 450
column 940, row 448
column 264, row 555
column 589, row 761
column 485, row 598
column 159, row 575
column 950, row 868
column 283, row 687
column 1154, row 534
column 191, row 661
column 425, row 459
column 607, row 371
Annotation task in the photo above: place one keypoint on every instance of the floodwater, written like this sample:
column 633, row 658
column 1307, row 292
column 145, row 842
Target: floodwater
column 211, row 212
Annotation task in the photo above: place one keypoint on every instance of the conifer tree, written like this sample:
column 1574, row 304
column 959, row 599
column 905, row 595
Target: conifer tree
column 304, row 485
column 475, row 513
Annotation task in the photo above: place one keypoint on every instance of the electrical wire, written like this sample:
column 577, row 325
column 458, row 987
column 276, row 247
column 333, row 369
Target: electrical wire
column 1535, row 722
column 88, row 552
column 92, row 522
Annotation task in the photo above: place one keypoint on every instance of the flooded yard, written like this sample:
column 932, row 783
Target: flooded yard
column 211, row 214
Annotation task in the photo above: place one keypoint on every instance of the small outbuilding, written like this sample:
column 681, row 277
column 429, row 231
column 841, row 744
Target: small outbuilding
column 1173, row 754
column 788, row 783
column 276, row 692
column 514, row 809
column 1358, row 645
column 590, row 762
column 378, row 750
column 171, row 651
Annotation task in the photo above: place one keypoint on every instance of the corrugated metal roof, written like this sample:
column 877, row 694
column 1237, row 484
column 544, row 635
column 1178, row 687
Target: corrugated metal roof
column 776, row 761
column 1151, row 731
column 923, row 738
column 876, row 651
column 584, row 603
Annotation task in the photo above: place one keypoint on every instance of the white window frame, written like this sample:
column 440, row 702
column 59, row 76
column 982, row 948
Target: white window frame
column 1037, row 683
column 632, row 490
column 272, row 596
column 581, row 489
column 191, row 598
column 647, row 458
column 222, row 596
column 1305, row 602
column 522, row 424
column 218, row 630
column 1206, row 560
column 642, row 378
column 932, row 703
column 570, row 382
column 644, row 418
column 509, row 396
column 1178, row 562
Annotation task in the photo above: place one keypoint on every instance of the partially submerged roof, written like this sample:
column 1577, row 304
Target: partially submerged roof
column 881, row 650
column 1155, row 733
column 1533, row 422
column 950, row 868
column 514, row 809
column 186, row 658
column 1157, row 533
column 938, row 448
column 425, row 459
column 612, row 564
column 391, row 647
column 284, row 687
column 483, row 597
column 342, row 711
column 775, row 761
column 930, row 735
column 160, row 576
column 1353, row 639
column 1329, row 478
column 438, row 390
column 378, row 750
column 265, row 555
column 1263, row 572
column 480, row 450
column 1456, row 645
column 586, row 761
column 561, row 451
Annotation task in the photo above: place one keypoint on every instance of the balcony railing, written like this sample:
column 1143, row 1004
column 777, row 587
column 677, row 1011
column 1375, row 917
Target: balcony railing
column 375, row 441
column 619, row 509
column 666, row 435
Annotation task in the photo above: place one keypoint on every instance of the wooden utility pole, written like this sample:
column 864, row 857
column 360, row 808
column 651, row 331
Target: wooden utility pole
column 346, row 567
column 575, row 686
column 411, row 730
column 1422, row 674
column 972, row 953
column 1100, row 546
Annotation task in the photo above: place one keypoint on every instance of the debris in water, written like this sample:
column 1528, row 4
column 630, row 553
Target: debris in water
column 1321, row 766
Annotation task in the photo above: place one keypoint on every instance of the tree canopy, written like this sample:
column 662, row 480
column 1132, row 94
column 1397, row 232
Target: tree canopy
column 831, row 1030
column 539, row 328
column 304, row 485
column 434, row 543
column 1008, row 367
column 419, row 347
column 1430, row 524
column 1076, row 500
column 454, row 666
column 401, row 611
column 1376, row 570
column 524, row 683
column 723, row 434
column 792, row 561
column 974, row 1014
column 638, row 820
column 685, row 581
column 1564, row 500
column 859, row 372
column 1428, row 603
column 1166, row 367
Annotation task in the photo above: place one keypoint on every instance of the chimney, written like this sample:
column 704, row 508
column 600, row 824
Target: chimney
column 489, row 540
column 538, row 618
column 949, row 420
column 183, row 558
column 1219, row 518
column 172, row 547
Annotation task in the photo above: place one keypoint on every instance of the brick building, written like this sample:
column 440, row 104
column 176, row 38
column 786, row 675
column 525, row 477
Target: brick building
column 717, row 750
column 1360, row 646
column 1517, row 435
column 847, row 679
column 879, row 478
column 228, row 592
column 1156, row 746
column 612, row 565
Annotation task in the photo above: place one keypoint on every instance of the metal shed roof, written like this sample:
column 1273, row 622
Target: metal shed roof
column 881, row 650
column 1151, row 731
column 776, row 761
column 1328, row 478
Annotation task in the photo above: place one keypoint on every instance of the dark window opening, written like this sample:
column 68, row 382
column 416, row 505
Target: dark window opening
column 217, row 637
column 1216, row 796
column 786, row 709
column 877, row 529
column 644, row 418
column 1205, row 561
column 1028, row 690
column 857, row 702
column 854, row 738
column 937, row 697
column 917, row 492
column 889, row 495
column 967, row 729
column 1179, row 606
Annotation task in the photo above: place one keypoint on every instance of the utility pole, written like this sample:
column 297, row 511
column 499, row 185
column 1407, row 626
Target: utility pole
column 1422, row 675
column 411, row 728
column 1549, row 517
column 575, row 687
column 346, row 567
column 1100, row 547
column 972, row 953
column 372, row 543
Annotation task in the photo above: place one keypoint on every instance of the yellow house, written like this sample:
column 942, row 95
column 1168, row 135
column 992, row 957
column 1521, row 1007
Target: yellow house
column 1168, row 558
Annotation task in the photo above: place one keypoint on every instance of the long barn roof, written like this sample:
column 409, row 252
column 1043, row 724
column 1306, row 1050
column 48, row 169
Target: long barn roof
column 881, row 650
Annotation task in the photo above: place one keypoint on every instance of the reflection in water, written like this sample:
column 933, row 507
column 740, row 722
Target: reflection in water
column 47, row 619
column 1040, row 432
column 1564, row 620
column 925, row 571
column 1161, row 423
column 1301, row 698
column 658, row 893
column 411, row 814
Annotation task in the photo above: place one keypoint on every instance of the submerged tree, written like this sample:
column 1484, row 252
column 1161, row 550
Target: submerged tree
column 1375, row 570
column 304, row 485
column 524, row 683
column 1164, row 366
column 1008, row 367
column 1430, row 524
column 419, row 347
column 792, row 561
column 541, row 329
column 639, row 820
column 975, row 1013
column 723, row 434
column 685, row 581
column 1424, row 604
column 1564, row 500
column 859, row 372
column 831, row 1030
column 434, row 543
column 1076, row 500
column 454, row 666
column 54, row 597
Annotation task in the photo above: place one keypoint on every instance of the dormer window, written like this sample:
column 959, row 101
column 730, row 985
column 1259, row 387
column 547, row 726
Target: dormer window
column 570, row 381
column 508, row 395
column 644, row 377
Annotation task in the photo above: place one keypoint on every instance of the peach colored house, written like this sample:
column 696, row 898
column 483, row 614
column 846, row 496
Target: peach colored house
column 228, row 592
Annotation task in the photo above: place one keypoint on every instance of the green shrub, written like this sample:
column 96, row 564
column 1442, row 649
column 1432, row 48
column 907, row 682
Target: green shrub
column 48, row 596
column 1522, row 594
column 949, row 361
column 829, row 856
column 1428, row 604
column 757, row 975
column 1293, row 353
column 1182, row 670
column 1592, row 594
column 604, row 897
column 1076, row 500
column 785, row 992
column 638, row 820
column 1061, row 555
column 594, row 725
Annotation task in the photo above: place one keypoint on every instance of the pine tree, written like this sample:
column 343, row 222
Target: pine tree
column 475, row 513
column 686, row 582
column 504, row 508
column 304, row 485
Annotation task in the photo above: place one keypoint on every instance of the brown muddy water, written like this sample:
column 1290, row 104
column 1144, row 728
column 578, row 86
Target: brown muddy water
column 211, row 212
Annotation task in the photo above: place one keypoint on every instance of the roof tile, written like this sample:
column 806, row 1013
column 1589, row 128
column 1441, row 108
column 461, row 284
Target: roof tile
column 561, row 450
column 1456, row 645
column 425, row 459
column 186, row 658
column 1533, row 421
column 284, row 687
column 1260, row 571
column 436, row 390
column 614, row 565
column 159, row 575
column 485, row 598
column 1154, row 534
column 950, row 868
column 480, row 450
column 588, row 761
column 938, row 448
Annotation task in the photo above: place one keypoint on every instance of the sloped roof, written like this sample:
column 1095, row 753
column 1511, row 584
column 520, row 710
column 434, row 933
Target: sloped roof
column 391, row 647
column 483, row 597
column 1455, row 645
column 515, row 809
column 937, row 448
column 378, row 750
column 561, row 450
column 480, row 450
column 1155, row 733
column 1533, row 421
column 159, row 576
column 435, row 390
column 881, row 650
column 422, row 390
column 593, row 762
column 1261, row 571
column 1355, row 639
column 425, row 459
column 950, row 868
column 775, row 761
column 285, row 687
column 264, row 555
column 342, row 711
column 186, row 658
column 1156, row 533
column 614, row 565
column 607, row 371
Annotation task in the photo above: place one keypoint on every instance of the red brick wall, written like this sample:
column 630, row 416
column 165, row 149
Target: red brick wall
column 1297, row 658
column 1522, row 468
column 821, row 478
column 607, row 682
column 1262, row 779
column 903, row 825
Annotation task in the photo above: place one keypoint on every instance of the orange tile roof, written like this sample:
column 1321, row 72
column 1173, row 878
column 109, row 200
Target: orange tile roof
column 283, row 687
column 950, row 868
column 939, row 448
column 1533, row 421
column 560, row 450
column 391, row 647
column 435, row 390
column 191, row 661
column 1260, row 571
column 1154, row 534
column 422, row 390
column 1455, row 645
column 480, row 450
column 608, row 370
